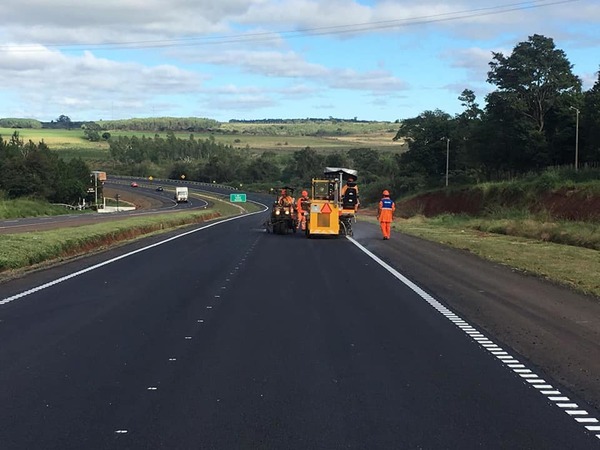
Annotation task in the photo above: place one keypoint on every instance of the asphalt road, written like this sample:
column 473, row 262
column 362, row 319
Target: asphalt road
column 231, row 338
column 145, row 197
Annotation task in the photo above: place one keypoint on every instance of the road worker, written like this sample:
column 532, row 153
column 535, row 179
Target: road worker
column 350, row 199
column 303, row 209
column 385, row 214
column 285, row 199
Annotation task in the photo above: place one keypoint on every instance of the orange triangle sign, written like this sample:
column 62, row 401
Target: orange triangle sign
column 326, row 209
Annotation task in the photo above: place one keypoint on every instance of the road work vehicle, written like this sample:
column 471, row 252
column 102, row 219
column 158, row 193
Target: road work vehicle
column 284, row 217
column 330, row 213
column 181, row 194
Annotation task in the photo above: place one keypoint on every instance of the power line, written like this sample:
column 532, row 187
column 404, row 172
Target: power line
column 302, row 33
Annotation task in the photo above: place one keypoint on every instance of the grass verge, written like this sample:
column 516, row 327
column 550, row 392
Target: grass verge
column 24, row 207
column 571, row 266
column 32, row 250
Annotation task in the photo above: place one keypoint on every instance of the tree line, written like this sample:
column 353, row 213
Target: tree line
column 207, row 160
column 33, row 170
column 537, row 117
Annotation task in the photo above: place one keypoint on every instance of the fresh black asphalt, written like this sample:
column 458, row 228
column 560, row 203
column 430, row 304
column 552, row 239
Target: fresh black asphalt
column 232, row 338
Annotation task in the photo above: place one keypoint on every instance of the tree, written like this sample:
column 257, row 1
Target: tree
column 304, row 165
column 91, row 130
column 264, row 168
column 533, row 77
column 64, row 121
column 590, row 124
column 426, row 135
column 526, row 122
column 472, row 110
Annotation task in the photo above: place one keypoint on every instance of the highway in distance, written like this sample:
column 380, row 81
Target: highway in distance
column 226, row 337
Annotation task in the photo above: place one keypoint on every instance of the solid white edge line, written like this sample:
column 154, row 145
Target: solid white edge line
column 472, row 333
column 112, row 260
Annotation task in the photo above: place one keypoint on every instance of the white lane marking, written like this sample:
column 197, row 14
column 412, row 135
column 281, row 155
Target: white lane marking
column 187, row 338
column 172, row 359
column 152, row 388
column 110, row 261
column 577, row 412
column 121, row 431
column 504, row 357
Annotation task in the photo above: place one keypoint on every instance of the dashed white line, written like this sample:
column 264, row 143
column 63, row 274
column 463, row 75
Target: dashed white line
column 577, row 412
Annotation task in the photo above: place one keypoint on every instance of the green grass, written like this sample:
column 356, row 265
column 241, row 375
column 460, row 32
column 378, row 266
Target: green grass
column 578, row 234
column 569, row 265
column 24, row 207
column 72, row 143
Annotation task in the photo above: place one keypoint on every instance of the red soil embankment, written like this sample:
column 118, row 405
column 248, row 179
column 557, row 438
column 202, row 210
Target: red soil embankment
column 563, row 204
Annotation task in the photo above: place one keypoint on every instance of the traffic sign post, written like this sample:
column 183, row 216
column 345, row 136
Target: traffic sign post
column 237, row 198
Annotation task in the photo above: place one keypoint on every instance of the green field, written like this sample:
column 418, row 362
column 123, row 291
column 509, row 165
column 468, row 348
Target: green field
column 254, row 137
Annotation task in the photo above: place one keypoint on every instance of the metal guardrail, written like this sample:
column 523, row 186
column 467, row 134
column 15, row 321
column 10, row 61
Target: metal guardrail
column 171, row 180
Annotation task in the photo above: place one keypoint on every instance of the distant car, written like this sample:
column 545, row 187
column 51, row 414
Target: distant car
column 160, row 189
column 134, row 184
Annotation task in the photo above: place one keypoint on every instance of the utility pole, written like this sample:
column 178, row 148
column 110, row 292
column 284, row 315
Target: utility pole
column 96, row 188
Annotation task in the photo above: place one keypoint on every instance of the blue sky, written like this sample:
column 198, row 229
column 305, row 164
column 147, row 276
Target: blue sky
column 257, row 59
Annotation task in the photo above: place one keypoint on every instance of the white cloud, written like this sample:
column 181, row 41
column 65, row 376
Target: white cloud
column 375, row 81
column 262, row 53
column 46, row 77
column 268, row 63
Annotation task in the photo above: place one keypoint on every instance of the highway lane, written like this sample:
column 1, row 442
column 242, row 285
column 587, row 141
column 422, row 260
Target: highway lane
column 229, row 337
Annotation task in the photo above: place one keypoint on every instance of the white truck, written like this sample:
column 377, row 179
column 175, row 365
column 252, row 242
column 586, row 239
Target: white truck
column 181, row 194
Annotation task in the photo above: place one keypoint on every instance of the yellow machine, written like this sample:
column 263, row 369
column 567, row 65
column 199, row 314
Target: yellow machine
column 329, row 214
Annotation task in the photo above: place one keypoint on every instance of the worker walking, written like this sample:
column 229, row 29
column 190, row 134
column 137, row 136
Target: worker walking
column 385, row 214
column 303, row 209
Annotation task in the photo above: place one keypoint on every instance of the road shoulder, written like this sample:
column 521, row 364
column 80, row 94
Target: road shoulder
column 555, row 328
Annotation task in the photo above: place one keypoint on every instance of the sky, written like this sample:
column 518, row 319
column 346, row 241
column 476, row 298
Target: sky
column 270, row 59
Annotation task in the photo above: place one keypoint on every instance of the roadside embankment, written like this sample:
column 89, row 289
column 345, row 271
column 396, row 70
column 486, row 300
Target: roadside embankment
column 567, row 264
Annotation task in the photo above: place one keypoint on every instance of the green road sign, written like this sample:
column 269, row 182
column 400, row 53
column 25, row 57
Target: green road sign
column 237, row 198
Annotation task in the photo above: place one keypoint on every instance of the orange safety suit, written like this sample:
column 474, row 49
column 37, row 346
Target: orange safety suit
column 385, row 214
column 285, row 200
column 303, row 208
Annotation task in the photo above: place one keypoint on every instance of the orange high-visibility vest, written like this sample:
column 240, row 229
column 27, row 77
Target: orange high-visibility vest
column 386, row 209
